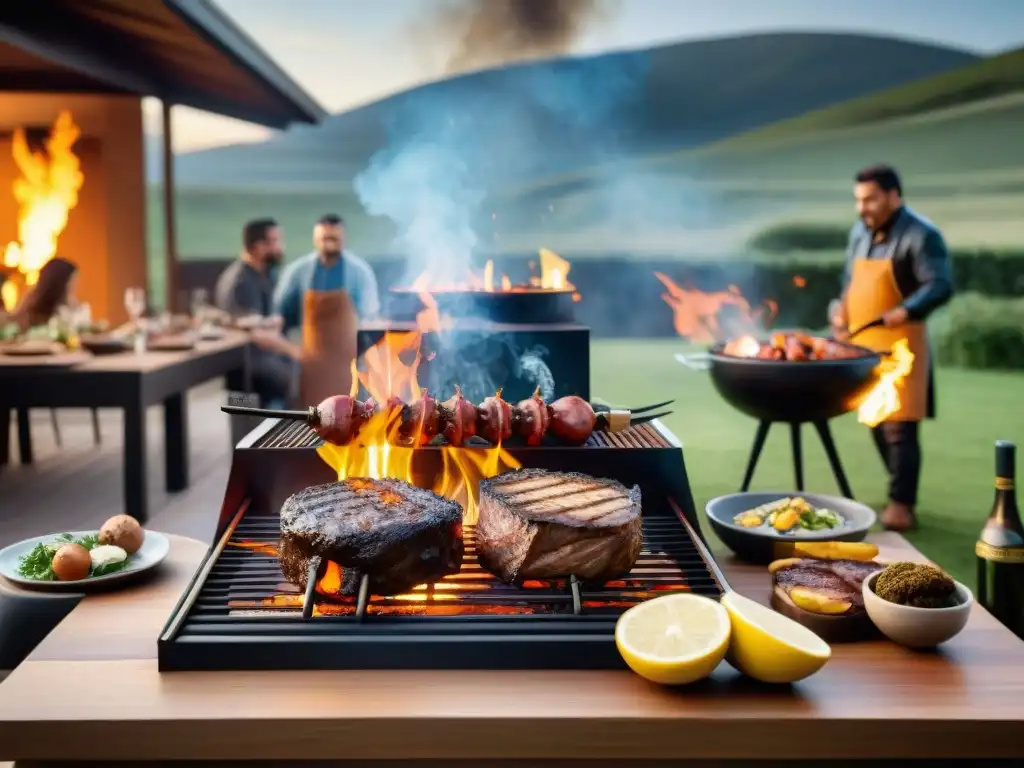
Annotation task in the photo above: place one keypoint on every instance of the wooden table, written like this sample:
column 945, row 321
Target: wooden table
column 91, row 691
column 132, row 383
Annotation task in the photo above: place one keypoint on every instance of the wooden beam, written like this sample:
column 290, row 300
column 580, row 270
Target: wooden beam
column 170, row 222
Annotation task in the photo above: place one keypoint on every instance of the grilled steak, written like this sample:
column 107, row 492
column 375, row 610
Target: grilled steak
column 398, row 534
column 536, row 524
column 834, row 579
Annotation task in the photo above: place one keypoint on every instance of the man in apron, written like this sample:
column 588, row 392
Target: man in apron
column 897, row 268
column 327, row 293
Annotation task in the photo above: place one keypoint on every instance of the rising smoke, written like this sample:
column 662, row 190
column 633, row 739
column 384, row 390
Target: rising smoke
column 487, row 33
column 452, row 144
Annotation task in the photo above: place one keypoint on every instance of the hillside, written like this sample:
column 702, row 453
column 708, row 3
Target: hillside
column 984, row 80
column 956, row 139
column 519, row 123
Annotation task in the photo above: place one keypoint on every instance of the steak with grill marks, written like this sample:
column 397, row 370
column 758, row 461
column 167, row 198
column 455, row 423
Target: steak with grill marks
column 536, row 524
column 397, row 534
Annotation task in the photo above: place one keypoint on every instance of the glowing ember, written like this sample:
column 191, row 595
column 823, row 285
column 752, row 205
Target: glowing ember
column 389, row 371
column 884, row 400
column 799, row 281
column 46, row 193
column 697, row 315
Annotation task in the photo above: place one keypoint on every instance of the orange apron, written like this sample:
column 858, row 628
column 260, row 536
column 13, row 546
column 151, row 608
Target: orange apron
column 873, row 292
column 329, row 328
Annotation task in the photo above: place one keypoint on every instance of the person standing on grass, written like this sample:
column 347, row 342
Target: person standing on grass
column 897, row 269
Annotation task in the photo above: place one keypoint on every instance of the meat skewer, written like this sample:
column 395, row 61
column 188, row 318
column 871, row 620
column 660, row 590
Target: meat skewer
column 571, row 419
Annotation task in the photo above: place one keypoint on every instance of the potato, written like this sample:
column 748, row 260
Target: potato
column 71, row 563
column 124, row 532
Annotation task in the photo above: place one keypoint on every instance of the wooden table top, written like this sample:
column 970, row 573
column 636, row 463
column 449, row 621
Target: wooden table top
column 91, row 691
column 148, row 361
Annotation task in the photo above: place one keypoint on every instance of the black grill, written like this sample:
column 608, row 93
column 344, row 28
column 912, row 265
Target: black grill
column 240, row 613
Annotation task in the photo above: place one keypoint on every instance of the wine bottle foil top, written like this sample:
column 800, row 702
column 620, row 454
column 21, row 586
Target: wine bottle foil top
column 1006, row 459
column 999, row 537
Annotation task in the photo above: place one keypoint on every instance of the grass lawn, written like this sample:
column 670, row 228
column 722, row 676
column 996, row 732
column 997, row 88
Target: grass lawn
column 975, row 409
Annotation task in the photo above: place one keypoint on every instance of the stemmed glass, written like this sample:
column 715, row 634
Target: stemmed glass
column 135, row 303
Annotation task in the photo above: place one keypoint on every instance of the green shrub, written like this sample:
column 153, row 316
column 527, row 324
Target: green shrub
column 976, row 331
column 787, row 237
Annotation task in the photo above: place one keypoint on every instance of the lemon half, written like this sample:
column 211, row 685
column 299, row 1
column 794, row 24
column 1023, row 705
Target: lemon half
column 674, row 639
column 770, row 647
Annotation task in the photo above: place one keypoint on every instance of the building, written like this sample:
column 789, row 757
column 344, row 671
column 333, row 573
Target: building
column 95, row 61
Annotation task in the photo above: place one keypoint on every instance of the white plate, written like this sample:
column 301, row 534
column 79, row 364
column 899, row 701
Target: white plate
column 155, row 547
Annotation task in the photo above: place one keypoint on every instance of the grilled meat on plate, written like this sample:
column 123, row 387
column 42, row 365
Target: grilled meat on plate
column 832, row 582
column 397, row 533
column 536, row 524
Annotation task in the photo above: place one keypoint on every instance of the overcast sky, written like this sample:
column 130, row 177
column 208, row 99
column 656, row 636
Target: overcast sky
column 349, row 52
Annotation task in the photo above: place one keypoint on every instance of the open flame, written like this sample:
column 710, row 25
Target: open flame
column 884, row 400
column 389, row 371
column 698, row 316
column 46, row 192
column 554, row 276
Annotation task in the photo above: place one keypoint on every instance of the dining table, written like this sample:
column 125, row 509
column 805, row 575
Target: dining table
column 131, row 381
column 92, row 691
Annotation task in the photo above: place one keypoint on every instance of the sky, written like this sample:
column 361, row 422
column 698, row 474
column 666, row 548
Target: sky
column 346, row 53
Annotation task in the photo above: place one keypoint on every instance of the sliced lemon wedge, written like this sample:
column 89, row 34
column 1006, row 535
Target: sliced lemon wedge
column 674, row 639
column 770, row 647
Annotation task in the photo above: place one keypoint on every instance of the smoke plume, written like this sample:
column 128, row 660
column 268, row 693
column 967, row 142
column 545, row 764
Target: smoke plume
column 484, row 33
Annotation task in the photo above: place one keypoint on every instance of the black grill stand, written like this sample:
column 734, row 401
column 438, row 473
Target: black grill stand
column 824, row 432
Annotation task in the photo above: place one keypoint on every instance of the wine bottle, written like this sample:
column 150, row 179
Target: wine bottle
column 1000, row 548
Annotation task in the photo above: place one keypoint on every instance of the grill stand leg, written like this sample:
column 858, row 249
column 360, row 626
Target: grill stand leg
column 798, row 455
column 755, row 453
column 825, row 433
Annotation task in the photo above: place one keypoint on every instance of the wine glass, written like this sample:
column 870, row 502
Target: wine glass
column 135, row 303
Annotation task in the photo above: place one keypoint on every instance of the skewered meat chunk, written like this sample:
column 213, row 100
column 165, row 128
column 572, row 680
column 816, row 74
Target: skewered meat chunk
column 398, row 534
column 536, row 524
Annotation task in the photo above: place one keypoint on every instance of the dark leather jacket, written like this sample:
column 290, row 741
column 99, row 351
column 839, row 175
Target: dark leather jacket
column 920, row 260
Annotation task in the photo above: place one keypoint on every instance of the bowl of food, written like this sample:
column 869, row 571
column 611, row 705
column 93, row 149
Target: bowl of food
column 764, row 526
column 917, row 605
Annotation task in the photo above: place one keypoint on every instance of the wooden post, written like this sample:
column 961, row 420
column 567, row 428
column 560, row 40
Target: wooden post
column 170, row 223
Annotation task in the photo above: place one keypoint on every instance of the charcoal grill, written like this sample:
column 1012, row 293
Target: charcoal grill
column 239, row 613
column 525, row 306
column 794, row 393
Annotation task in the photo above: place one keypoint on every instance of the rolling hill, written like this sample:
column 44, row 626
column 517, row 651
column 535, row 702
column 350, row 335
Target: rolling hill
column 956, row 138
column 519, row 123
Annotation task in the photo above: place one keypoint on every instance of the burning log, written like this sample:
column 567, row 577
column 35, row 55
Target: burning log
column 571, row 420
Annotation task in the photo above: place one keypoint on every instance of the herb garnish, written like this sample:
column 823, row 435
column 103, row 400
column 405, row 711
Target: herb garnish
column 38, row 563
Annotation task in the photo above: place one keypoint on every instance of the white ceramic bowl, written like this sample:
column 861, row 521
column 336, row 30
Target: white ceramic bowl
column 917, row 627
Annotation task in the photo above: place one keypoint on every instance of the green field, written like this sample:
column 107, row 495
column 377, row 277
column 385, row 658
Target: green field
column 975, row 409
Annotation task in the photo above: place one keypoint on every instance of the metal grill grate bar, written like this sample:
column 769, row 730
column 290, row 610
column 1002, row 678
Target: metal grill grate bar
column 245, row 587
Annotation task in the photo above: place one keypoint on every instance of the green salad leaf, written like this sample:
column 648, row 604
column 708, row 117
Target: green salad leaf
column 38, row 563
column 820, row 519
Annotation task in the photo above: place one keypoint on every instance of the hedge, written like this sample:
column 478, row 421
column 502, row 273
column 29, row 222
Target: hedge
column 976, row 331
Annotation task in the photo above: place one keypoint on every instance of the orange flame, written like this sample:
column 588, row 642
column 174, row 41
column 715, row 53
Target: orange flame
column 554, row 272
column 46, row 193
column 390, row 368
column 696, row 314
column 799, row 281
column 884, row 399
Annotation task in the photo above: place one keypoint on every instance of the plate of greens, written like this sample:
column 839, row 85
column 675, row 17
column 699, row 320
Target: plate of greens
column 79, row 559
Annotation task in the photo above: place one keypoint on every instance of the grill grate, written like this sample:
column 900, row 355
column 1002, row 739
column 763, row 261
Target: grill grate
column 241, row 613
column 296, row 434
